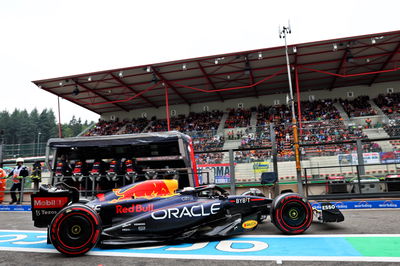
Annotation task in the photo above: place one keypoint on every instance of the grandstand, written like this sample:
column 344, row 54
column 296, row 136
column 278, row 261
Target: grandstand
column 346, row 89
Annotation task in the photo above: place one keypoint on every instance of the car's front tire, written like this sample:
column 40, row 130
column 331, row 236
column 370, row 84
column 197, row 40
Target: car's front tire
column 291, row 213
column 75, row 230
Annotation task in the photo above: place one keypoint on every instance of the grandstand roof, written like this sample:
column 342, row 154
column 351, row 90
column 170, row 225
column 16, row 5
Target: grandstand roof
column 322, row 65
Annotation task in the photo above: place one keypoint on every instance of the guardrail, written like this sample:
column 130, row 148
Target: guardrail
column 353, row 182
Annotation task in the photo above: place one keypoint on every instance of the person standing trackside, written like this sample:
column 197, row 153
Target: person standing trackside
column 19, row 172
column 3, row 176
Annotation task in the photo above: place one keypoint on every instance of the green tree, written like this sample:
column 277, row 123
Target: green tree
column 47, row 124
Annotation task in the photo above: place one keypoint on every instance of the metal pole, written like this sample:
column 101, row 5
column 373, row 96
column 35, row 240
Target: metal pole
column 274, row 154
column 282, row 34
column 360, row 157
column 232, row 172
column 167, row 107
column 59, row 119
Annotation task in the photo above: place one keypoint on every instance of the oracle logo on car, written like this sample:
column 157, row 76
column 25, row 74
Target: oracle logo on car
column 193, row 211
column 119, row 209
column 49, row 202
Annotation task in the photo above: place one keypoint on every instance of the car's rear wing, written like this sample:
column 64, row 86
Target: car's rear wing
column 49, row 201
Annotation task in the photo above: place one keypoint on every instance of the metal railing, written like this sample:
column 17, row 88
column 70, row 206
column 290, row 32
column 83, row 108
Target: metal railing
column 351, row 183
column 24, row 150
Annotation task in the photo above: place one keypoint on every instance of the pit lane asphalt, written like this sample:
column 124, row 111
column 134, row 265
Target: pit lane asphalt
column 356, row 222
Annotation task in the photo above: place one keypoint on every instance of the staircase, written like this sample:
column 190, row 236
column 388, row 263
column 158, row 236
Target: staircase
column 147, row 127
column 220, row 130
column 86, row 129
column 253, row 122
column 377, row 133
column 122, row 129
column 379, row 112
column 343, row 114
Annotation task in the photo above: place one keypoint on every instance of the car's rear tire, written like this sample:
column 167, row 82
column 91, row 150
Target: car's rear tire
column 291, row 213
column 75, row 230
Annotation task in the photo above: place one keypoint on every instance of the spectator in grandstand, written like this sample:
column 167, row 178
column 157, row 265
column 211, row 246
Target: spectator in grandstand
column 389, row 104
column 106, row 128
column 368, row 121
column 358, row 107
column 238, row 118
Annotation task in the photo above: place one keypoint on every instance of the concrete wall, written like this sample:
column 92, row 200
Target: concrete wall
column 372, row 91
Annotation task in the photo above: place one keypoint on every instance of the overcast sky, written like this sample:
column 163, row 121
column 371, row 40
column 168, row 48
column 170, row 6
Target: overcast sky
column 47, row 39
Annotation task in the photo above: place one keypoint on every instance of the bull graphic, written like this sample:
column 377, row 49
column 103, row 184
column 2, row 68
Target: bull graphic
column 148, row 190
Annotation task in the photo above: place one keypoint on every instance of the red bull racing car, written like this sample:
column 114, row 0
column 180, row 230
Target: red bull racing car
column 155, row 211
column 160, row 210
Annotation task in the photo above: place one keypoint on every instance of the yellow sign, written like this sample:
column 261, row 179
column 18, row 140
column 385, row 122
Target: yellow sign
column 249, row 224
column 261, row 167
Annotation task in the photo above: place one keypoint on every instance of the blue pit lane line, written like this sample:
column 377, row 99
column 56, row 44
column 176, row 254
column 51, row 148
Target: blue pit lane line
column 246, row 247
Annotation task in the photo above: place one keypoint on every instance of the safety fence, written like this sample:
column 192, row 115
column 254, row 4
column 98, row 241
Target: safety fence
column 354, row 181
column 11, row 151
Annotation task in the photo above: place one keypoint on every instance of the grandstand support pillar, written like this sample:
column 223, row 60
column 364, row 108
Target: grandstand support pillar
column 167, row 106
column 274, row 154
column 232, row 172
column 298, row 100
column 361, row 168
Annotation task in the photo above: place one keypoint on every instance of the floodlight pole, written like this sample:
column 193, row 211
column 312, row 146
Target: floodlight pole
column 283, row 34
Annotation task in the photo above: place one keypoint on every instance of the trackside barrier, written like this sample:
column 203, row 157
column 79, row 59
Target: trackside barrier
column 353, row 185
column 370, row 204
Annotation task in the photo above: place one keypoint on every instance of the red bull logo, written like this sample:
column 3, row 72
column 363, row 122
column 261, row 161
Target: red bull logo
column 119, row 209
column 148, row 189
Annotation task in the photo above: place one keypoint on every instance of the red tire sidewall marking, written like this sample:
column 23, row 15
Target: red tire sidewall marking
column 94, row 223
column 307, row 212
column 91, row 234
column 280, row 220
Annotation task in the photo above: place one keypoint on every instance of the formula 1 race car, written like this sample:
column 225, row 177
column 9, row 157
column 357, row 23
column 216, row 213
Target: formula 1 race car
column 155, row 211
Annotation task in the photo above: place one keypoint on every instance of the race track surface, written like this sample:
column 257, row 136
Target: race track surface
column 345, row 243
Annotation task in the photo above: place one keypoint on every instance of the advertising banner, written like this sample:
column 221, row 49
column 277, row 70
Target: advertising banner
column 371, row 204
column 220, row 172
column 390, row 157
column 261, row 167
column 352, row 159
